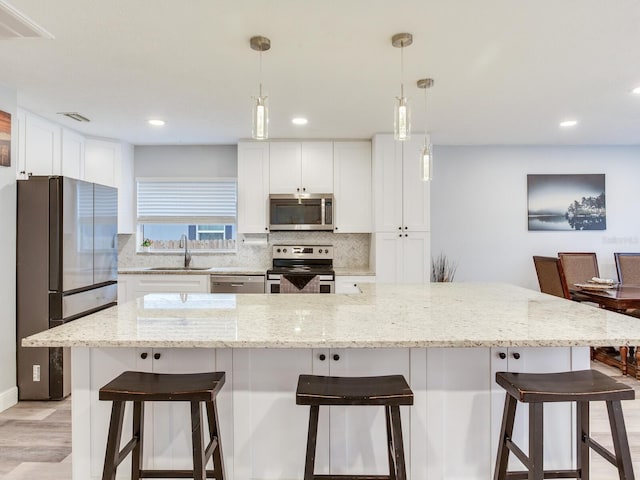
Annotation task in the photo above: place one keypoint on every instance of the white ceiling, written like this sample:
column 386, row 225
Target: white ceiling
column 506, row 71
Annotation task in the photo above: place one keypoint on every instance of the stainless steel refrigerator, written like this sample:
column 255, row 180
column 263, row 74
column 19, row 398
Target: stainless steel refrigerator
column 66, row 268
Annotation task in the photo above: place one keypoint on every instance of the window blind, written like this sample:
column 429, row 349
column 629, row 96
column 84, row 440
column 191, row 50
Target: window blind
column 210, row 201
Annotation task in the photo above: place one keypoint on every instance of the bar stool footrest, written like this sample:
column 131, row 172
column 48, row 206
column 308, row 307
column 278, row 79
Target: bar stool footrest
column 171, row 474
column 351, row 477
column 547, row 474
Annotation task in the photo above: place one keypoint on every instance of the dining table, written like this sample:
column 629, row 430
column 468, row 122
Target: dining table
column 622, row 298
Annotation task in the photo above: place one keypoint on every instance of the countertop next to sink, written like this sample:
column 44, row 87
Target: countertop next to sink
column 346, row 271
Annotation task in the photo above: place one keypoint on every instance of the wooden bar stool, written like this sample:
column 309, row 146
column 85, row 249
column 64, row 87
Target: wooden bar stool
column 582, row 387
column 388, row 391
column 140, row 387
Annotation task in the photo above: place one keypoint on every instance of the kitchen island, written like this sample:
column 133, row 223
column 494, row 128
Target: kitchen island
column 447, row 339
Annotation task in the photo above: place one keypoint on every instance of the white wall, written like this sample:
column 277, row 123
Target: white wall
column 8, row 389
column 186, row 161
column 479, row 208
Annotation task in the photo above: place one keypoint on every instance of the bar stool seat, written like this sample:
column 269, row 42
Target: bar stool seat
column 582, row 387
column 140, row 387
column 389, row 391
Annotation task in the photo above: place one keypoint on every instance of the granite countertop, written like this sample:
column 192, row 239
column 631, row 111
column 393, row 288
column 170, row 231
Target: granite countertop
column 429, row 315
column 350, row 271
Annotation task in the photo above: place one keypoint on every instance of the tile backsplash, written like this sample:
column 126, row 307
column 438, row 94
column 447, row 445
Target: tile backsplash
column 350, row 250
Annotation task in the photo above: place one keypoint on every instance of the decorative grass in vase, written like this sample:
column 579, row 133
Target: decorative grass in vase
column 442, row 269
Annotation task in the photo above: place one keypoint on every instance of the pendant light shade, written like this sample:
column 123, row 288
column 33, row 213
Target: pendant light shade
column 402, row 112
column 260, row 116
column 426, row 158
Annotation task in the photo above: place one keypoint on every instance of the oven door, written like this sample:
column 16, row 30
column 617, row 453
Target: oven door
column 301, row 212
column 327, row 283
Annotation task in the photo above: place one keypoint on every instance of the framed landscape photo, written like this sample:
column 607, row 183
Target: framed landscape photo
column 566, row 202
column 5, row 139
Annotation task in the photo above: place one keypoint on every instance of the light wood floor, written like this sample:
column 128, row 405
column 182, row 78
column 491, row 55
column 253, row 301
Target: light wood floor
column 35, row 437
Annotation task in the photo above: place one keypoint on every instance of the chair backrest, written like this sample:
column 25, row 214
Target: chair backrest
column 579, row 267
column 550, row 276
column 628, row 267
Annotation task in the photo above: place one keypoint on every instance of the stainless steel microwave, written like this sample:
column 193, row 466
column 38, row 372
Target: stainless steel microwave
column 306, row 211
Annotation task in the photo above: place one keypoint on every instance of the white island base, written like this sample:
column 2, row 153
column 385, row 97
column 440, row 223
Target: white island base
column 450, row 432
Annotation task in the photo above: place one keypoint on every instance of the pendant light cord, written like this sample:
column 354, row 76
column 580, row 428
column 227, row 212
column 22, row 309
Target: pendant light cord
column 426, row 112
column 260, row 75
column 402, row 71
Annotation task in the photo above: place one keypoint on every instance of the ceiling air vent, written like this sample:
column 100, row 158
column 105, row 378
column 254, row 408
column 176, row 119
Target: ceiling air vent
column 14, row 24
column 75, row 115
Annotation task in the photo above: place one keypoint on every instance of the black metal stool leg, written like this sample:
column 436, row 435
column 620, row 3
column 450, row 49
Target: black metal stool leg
column 310, row 460
column 620, row 440
column 199, row 472
column 138, row 433
column 536, row 443
column 398, row 445
column 582, row 436
column 506, row 431
column 214, row 433
column 113, row 441
column 390, row 448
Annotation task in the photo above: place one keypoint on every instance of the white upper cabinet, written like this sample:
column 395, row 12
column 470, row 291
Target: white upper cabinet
column 305, row 167
column 72, row 154
column 253, row 187
column 401, row 198
column 101, row 161
column 352, row 187
column 39, row 151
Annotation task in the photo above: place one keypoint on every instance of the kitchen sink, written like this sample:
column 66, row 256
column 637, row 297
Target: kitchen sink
column 180, row 268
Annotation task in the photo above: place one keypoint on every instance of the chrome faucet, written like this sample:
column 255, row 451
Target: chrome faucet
column 187, row 254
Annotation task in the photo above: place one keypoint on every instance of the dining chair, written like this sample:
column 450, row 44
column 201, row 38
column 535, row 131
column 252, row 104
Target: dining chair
column 551, row 276
column 628, row 267
column 579, row 267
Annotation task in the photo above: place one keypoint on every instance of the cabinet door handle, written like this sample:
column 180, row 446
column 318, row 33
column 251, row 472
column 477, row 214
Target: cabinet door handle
column 405, row 228
column 516, row 355
column 322, row 357
column 406, row 234
column 336, row 357
column 399, row 228
column 502, row 355
column 157, row 356
column 400, row 235
column 298, row 189
column 144, row 355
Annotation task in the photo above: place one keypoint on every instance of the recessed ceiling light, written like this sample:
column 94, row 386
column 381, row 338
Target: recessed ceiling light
column 299, row 121
column 569, row 123
column 636, row 91
column 156, row 123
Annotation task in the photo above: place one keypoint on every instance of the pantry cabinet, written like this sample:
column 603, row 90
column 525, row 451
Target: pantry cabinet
column 401, row 212
column 101, row 161
column 253, row 187
column 72, row 154
column 352, row 187
column 403, row 257
column 305, row 167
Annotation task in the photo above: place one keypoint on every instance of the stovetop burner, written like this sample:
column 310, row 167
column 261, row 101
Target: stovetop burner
column 302, row 259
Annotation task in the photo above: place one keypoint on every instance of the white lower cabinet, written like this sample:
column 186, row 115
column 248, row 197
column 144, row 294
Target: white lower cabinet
column 450, row 432
column 351, row 283
column 167, row 424
column 133, row 286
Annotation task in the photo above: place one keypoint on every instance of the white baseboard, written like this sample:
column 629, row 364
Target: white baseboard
column 8, row 398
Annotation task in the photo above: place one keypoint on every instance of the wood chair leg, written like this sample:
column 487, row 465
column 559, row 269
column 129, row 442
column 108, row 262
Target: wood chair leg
column 624, row 356
column 310, row 460
column 582, row 434
column 199, row 467
column 620, row 440
column 536, row 442
column 398, row 446
column 138, row 433
column 390, row 448
column 506, row 431
column 113, row 441
column 214, row 433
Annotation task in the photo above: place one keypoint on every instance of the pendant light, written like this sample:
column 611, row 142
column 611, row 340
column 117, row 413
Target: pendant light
column 260, row 126
column 402, row 114
column 426, row 158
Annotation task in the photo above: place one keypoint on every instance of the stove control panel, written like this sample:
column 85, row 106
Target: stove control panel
column 303, row 251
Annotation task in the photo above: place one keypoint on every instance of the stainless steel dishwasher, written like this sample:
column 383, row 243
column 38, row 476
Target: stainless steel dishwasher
column 237, row 283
